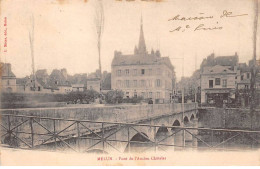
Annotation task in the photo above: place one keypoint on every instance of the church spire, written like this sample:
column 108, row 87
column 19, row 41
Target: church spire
column 141, row 45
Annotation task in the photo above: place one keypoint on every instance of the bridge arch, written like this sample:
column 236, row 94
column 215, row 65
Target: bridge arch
column 186, row 120
column 176, row 123
column 139, row 142
column 161, row 131
column 192, row 117
column 140, row 137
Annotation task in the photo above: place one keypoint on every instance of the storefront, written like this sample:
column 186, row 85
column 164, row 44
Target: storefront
column 219, row 97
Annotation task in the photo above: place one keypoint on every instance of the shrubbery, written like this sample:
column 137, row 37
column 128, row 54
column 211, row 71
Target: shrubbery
column 114, row 96
column 133, row 100
column 82, row 97
column 72, row 97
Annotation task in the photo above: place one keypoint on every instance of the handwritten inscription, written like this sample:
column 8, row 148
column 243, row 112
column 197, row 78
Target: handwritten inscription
column 202, row 17
column 230, row 14
column 5, row 34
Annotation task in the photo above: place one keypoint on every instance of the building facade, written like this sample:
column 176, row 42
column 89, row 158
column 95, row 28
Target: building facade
column 78, row 87
column 143, row 74
column 8, row 79
column 93, row 84
column 218, row 84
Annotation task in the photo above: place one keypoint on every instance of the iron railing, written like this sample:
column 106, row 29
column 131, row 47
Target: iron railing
column 36, row 132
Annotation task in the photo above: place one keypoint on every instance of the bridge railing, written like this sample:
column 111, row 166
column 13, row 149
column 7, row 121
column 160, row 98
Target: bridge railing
column 36, row 135
column 120, row 113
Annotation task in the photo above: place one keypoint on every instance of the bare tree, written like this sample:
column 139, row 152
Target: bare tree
column 99, row 21
column 31, row 38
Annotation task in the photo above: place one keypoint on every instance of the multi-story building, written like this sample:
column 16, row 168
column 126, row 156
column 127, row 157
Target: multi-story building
column 218, row 84
column 244, row 83
column 8, row 79
column 142, row 74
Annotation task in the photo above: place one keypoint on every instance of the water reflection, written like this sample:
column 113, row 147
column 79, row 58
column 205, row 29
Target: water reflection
column 178, row 140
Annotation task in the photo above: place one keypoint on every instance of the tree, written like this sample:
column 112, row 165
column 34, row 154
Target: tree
column 99, row 21
column 114, row 96
column 88, row 96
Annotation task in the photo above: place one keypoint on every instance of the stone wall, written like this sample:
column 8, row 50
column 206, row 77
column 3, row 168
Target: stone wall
column 228, row 118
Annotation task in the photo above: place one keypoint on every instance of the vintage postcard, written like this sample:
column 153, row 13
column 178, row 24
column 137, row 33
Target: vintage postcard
column 130, row 82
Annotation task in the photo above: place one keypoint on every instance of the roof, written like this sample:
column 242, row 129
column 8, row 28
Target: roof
column 211, row 60
column 217, row 70
column 93, row 79
column 226, row 60
column 243, row 67
column 141, row 59
column 6, row 70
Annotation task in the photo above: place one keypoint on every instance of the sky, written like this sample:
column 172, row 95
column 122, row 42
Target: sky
column 65, row 32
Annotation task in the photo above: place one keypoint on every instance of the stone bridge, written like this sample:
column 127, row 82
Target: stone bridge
column 112, row 122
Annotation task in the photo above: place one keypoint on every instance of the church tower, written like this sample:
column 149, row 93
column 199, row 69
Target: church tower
column 141, row 46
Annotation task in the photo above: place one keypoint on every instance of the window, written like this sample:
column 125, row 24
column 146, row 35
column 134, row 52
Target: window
column 242, row 77
column 158, row 95
column 224, row 83
column 127, row 83
column 118, row 72
column 158, row 82
column 246, row 86
column 8, row 82
column 150, row 94
column 150, row 83
column 39, row 88
column 150, row 71
column 135, row 83
column 135, row 94
column 143, row 94
column 118, row 84
column 142, row 83
column 127, row 72
column 247, row 75
column 210, row 83
column 217, row 81
column 135, row 72
column 142, row 71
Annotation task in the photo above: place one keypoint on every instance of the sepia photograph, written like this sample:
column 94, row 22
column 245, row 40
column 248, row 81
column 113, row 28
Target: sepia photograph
column 130, row 82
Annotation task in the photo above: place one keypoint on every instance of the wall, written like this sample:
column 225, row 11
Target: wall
column 8, row 84
column 228, row 118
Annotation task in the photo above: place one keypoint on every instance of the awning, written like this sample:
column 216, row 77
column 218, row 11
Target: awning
column 220, row 91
